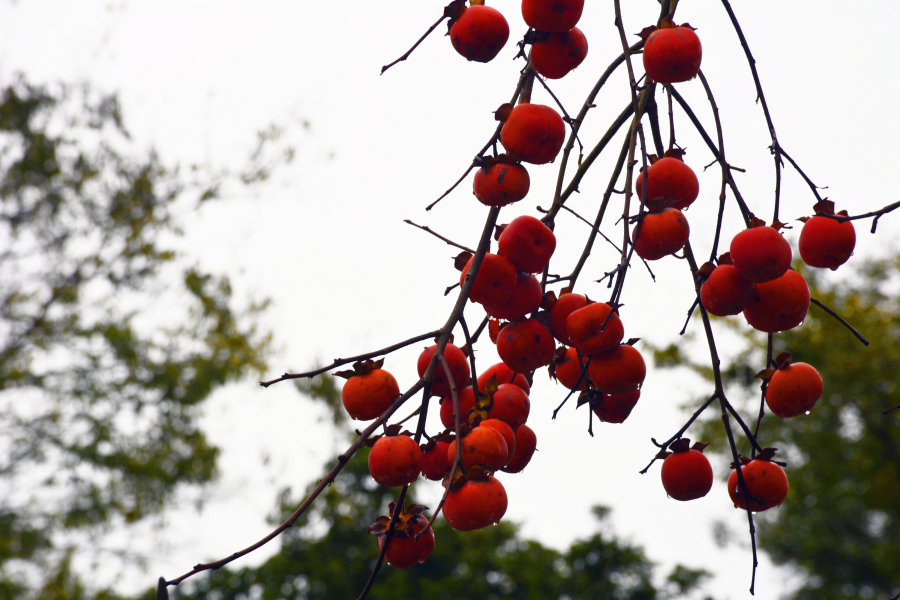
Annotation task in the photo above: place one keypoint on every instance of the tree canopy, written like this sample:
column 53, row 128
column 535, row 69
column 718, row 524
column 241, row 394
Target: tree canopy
column 109, row 340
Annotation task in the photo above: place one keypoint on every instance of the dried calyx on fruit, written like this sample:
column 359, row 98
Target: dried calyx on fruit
column 793, row 388
column 826, row 240
column 408, row 544
column 369, row 390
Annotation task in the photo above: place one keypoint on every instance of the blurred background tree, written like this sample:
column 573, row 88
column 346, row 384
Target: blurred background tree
column 109, row 341
column 840, row 524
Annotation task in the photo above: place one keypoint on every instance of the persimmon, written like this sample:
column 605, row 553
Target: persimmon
column 568, row 370
column 793, row 389
column 618, row 371
column 395, row 460
column 466, row 398
column 526, row 443
column 502, row 374
column 525, row 346
column 495, row 281
column 670, row 178
column 509, row 436
column 527, row 243
column 827, row 243
column 459, row 368
column 406, row 547
column 726, row 292
column 615, row 408
column 477, row 503
column 766, row 482
column 368, row 395
column 552, row 15
column 482, row 446
column 435, row 462
column 595, row 328
column 779, row 305
column 760, row 254
column 525, row 298
column 660, row 234
column 534, row 133
column 501, row 184
column 686, row 474
column 565, row 305
column 479, row 33
column 510, row 404
column 560, row 53
column 672, row 55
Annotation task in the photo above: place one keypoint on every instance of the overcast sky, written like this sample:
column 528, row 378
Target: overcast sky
column 325, row 239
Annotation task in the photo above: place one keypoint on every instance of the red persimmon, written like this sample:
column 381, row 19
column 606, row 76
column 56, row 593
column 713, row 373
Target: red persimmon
column 367, row 396
column 726, row 292
column 552, row 15
column 672, row 55
column 495, row 281
column 476, row 504
column 559, row 53
column 503, row 374
column 559, row 313
column 527, row 243
column 670, row 178
column 766, row 482
column 480, row 33
column 466, row 398
column 525, row 346
column 503, row 428
column 593, row 330
column 526, row 442
column 395, row 460
column 615, row 409
column 459, row 368
column 435, row 464
column 779, row 305
column 760, row 254
column 568, row 371
column 482, row 446
column 501, row 184
column 534, row 133
column 660, row 234
column 510, row 404
column 687, row 475
column 406, row 550
column 826, row 243
column 793, row 390
column 525, row 298
column 618, row 371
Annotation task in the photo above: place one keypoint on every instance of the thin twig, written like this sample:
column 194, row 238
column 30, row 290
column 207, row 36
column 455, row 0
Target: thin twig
column 439, row 236
column 679, row 433
column 395, row 516
column 858, row 335
column 416, row 45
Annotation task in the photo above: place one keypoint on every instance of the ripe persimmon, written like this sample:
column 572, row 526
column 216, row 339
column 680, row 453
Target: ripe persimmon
column 670, row 178
column 466, row 398
column 760, row 254
column 527, row 243
column 766, row 482
column 479, row 33
column 503, row 374
column 495, row 282
column 565, row 305
column 510, row 404
column 793, row 389
column 615, row 408
column 552, row 15
column 559, row 53
column 726, row 292
column 525, row 346
column 778, row 305
column 660, row 234
column 827, row 243
column 459, row 368
column 505, row 431
column 501, row 184
column 568, row 370
column 482, row 446
column 686, row 474
column 534, row 133
column 477, row 503
column 525, row 298
column 406, row 547
column 395, row 460
column 618, row 371
column 672, row 55
column 526, row 443
column 595, row 328
column 368, row 395
column 435, row 464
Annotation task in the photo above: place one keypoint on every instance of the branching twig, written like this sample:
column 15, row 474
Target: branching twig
column 416, row 45
column 858, row 335
column 438, row 236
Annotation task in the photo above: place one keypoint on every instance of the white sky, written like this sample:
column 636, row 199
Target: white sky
column 325, row 239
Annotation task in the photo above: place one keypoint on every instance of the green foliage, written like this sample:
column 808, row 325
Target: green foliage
column 109, row 344
column 840, row 523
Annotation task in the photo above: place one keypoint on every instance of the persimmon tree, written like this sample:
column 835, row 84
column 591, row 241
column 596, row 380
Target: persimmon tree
column 531, row 303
